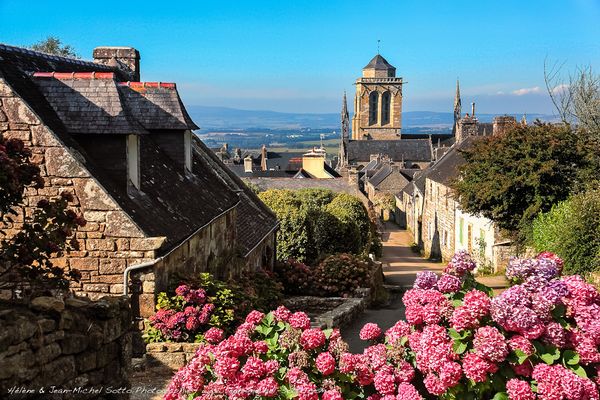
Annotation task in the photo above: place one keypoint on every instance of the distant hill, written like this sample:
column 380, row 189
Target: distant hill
column 231, row 118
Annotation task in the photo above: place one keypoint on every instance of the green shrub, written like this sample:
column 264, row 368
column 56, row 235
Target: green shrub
column 296, row 277
column 316, row 222
column 571, row 229
column 341, row 275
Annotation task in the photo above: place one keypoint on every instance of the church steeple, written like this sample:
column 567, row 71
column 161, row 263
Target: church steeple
column 457, row 107
column 345, row 134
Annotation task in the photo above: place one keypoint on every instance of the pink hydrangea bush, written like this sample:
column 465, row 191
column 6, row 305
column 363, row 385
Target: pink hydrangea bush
column 537, row 340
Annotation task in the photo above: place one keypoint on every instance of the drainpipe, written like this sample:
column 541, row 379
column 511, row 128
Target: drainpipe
column 156, row 260
column 134, row 268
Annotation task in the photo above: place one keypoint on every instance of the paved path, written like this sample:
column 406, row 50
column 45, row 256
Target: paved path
column 400, row 267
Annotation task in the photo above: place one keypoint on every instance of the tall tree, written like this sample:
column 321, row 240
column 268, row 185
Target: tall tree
column 53, row 45
column 510, row 178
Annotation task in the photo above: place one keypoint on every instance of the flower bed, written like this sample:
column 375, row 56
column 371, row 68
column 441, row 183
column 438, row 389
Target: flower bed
column 537, row 340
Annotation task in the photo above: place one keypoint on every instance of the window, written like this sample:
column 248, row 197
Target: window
column 373, row 107
column 133, row 160
column 461, row 225
column 187, row 144
column 385, row 108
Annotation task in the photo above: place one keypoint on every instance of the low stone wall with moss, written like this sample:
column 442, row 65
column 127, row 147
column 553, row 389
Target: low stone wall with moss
column 75, row 348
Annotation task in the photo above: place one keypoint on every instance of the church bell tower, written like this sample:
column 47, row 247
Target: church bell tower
column 378, row 102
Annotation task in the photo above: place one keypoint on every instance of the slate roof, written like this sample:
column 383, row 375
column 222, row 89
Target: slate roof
column 156, row 105
column 169, row 203
column 87, row 102
column 398, row 150
column 380, row 175
column 446, row 169
column 378, row 62
column 254, row 220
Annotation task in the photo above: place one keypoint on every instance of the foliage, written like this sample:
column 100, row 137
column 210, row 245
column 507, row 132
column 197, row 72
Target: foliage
column 252, row 186
column 512, row 177
column 53, row 45
column 317, row 222
column 25, row 257
column 355, row 221
column 571, row 229
column 341, row 275
column 385, row 201
column 296, row 277
column 536, row 340
column 204, row 302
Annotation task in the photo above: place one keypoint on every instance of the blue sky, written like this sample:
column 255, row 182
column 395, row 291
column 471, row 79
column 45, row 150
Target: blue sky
column 299, row 56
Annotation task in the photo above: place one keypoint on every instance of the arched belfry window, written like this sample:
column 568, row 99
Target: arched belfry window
column 373, row 107
column 385, row 108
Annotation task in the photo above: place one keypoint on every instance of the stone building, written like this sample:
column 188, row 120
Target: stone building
column 156, row 200
column 378, row 102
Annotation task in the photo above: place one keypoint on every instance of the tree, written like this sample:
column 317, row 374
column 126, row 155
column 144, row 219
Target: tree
column 53, row 45
column 510, row 178
column 25, row 255
column 571, row 229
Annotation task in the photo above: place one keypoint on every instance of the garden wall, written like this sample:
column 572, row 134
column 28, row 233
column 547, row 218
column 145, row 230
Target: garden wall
column 72, row 349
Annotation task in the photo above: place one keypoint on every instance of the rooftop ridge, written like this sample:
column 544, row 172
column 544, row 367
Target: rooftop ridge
column 48, row 56
column 143, row 85
column 75, row 75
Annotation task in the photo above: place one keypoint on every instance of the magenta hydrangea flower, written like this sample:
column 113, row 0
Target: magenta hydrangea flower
column 425, row 280
column 490, row 344
column 370, row 331
column 254, row 317
column 384, row 382
column 325, row 363
column 406, row 391
column 449, row 283
column 299, row 320
column 312, row 338
column 519, row 390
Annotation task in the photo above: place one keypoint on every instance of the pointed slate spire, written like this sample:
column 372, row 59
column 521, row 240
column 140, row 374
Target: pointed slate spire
column 345, row 119
column 457, row 107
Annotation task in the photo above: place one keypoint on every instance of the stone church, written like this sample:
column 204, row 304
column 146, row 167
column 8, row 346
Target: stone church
column 378, row 102
column 377, row 123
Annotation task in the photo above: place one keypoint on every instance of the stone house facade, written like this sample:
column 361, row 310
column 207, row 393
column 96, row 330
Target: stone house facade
column 429, row 210
column 153, row 195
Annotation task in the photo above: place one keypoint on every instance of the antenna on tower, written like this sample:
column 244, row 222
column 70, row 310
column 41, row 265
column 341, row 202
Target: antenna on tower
column 378, row 41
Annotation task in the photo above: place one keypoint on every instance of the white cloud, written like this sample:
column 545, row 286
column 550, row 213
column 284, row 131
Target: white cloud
column 560, row 88
column 524, row 91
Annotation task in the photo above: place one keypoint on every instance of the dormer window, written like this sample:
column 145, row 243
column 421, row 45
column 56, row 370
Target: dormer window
column 133, row 160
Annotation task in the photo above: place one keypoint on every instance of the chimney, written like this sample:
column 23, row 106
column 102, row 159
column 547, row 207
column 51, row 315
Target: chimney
column 127, row 59
column 473, row 109
column 263, row 158
column 248, row 164
column 503, row 123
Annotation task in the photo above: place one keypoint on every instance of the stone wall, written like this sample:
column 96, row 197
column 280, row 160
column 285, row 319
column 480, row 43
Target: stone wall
column 438, row 224
column 170, row 356
column 80, row 347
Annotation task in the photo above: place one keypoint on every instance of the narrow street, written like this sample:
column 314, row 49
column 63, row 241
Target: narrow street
column 400, row 267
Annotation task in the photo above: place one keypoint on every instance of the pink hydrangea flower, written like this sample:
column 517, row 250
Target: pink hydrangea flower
column 490, row 344
column 312, row 338
column 370, row 331
column 267, row 387
column 254, row 317
column 333, row 394
column 519, row 390
column 406, row 391
column 299, row 320
column 325, row 363
column 214, row 335
column 385, row 383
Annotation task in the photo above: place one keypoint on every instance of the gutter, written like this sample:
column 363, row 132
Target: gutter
column 157, row 260
column 263, row 238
